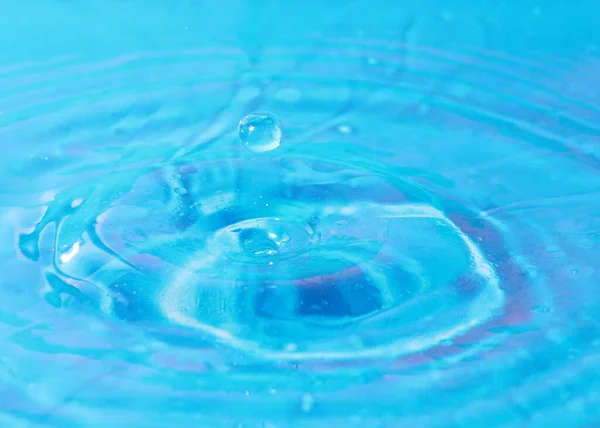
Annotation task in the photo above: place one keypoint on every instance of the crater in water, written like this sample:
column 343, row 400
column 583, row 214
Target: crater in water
column 273, row 257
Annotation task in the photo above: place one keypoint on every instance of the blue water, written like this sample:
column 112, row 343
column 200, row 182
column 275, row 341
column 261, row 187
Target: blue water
column 409, row 238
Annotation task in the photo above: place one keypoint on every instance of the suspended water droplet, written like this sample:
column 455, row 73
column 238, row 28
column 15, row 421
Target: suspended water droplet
column 260, row 132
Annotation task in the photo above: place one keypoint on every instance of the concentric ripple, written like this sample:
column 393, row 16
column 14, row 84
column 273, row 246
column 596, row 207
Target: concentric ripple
column 283, row 258
column 420, row 250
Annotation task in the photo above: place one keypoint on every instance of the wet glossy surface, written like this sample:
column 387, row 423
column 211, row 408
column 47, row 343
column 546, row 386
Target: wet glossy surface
column 419, row 249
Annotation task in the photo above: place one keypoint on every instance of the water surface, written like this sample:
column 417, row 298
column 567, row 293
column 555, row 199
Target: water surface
column 419, row 249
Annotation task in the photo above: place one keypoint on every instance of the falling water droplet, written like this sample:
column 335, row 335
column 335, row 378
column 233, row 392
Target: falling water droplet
column 260, row 132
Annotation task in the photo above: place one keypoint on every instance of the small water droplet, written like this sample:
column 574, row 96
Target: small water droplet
column 180, row 191
column 260, row 132
column 308, row 402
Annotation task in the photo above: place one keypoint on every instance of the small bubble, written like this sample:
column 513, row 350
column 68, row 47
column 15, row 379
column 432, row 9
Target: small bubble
column 180, row 191
column 260, row 132
column 308, row 402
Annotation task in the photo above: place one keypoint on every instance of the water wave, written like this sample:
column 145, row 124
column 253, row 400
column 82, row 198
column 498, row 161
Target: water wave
column 425, row 237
